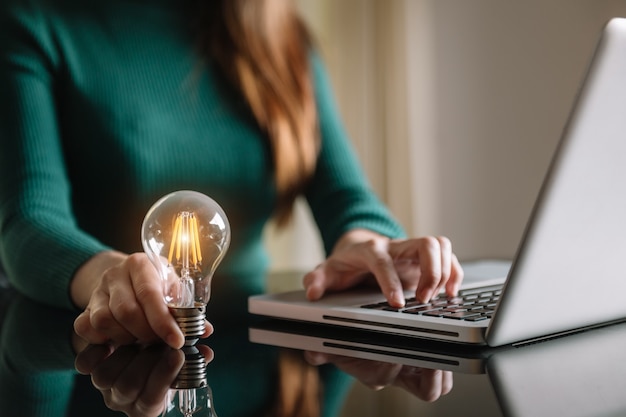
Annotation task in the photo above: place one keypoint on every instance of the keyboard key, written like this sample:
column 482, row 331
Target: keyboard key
column 454, row 309
column 422, row 309
column 376, row 305
column 461, row 315
column 480, row 290
column 476, row 318
column 472, row 305
column 415, row 303
column 434, row 313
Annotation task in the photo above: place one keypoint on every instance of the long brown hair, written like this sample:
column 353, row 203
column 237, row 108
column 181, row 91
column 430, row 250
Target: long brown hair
column 263, row 47
column 299, row 389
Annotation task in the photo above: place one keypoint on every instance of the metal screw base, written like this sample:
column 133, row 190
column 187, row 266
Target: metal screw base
column 190, row 321
column 193, row 373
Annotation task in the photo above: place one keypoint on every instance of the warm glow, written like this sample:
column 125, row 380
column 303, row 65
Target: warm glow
column 185, row 242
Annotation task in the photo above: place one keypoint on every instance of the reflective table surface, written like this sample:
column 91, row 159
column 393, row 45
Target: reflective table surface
column 266, row 367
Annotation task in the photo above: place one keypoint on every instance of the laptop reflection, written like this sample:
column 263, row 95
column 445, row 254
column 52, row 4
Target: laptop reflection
column 576, row 375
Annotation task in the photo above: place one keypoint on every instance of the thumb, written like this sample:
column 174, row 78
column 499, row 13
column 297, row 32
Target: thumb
column 315, row 283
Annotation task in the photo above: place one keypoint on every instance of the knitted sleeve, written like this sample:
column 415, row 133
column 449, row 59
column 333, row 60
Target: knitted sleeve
column 340, row 196
column 40, row 243
column 36, row 359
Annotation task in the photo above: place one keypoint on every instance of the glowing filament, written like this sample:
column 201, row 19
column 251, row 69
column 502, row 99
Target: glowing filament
column 185, row 246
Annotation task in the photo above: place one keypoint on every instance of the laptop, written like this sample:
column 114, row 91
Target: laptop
column 576, row 375
column 567, row 274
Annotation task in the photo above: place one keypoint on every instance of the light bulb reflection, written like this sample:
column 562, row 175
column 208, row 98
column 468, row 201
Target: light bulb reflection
column 190, row 402
column 190, row 394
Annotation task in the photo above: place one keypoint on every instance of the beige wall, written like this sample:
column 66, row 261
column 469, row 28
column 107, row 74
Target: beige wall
column 455, row 107
column 506, row 76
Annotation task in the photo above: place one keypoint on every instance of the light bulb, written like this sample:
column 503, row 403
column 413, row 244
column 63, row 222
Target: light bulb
column 190, row 394
column 186, row 235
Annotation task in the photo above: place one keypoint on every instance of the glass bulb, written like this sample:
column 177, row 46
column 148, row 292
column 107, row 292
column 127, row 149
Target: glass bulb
column 189, row 402
column 186, row 235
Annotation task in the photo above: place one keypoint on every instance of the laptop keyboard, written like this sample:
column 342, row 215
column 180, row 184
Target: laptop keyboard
column 474, row 304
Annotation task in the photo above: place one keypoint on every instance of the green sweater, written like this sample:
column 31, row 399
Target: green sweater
column 105, row 106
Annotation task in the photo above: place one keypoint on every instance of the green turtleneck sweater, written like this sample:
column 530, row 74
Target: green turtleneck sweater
column 105, row 106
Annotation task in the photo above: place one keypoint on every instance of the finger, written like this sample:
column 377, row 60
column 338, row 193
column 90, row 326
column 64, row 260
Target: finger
column 84, row 329
column 123, row 301
column 429, row 249
column 445, row 247
column 381, row 264
column 434, row 389
column 456, row 277
column 147, row 289
column 424, row 252
column 132, row 380
column 128, row 298
column 207, row 352
column 165, row 371
column 109, row 402
column 102, row 320
column 379, row 375
column 100, row 325
column 430, row 388
column 373, row 374
column 447, row 382
column 90, row 357
column 208, row 329
column 315, row 283
column 107, row 372
column 408, row 271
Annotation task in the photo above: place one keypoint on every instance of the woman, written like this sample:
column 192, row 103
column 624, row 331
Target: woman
column 108, row 105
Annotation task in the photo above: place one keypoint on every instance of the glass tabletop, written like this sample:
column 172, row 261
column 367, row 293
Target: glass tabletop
column 274, row 368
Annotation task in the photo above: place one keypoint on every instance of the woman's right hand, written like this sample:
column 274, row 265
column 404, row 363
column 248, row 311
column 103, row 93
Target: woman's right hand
column 123, row 302
column 134, row 379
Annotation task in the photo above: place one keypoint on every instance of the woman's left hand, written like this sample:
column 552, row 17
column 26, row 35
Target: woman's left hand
column 426, row 384
column 425, row 265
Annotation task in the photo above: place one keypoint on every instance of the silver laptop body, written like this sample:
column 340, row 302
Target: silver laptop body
column 568, row 272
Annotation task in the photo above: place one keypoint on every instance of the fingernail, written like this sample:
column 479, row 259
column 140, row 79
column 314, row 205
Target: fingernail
column 397, row 298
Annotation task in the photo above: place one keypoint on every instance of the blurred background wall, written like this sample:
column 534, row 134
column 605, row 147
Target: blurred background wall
column 455, row 108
